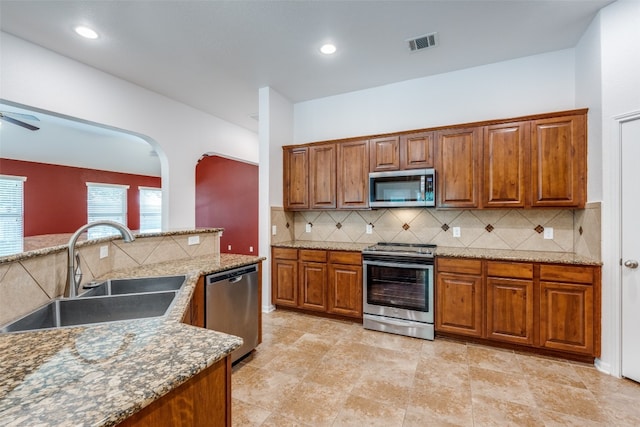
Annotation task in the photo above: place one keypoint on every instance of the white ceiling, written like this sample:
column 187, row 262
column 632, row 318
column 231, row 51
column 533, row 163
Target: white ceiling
column 215, row 55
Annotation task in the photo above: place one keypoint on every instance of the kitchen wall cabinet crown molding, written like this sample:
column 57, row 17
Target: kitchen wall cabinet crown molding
column 523, row 162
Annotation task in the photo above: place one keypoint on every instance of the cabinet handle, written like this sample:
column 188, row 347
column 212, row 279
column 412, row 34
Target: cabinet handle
column 631, row 263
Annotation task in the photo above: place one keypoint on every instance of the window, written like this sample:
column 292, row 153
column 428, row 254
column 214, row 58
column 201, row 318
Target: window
column 150, row 209
column 11, row 214
column 106, row 201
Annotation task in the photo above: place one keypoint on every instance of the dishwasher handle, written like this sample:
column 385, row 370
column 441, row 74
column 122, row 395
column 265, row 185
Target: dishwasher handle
column 233, row 276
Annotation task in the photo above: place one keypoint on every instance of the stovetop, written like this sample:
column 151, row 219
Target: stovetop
column 407, row 249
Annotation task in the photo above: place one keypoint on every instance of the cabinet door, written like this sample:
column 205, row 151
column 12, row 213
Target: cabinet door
column 505, row 160
column 296, row 178
column 284, row 282
column 510, row 310
column 385, row 154
column 345, row 290
column 313, row 286
column 566, row 317
column 459, row 304
column 353, row 174
column 558, row 161
column 458, row 168
column 322, row 176
column 416, row 150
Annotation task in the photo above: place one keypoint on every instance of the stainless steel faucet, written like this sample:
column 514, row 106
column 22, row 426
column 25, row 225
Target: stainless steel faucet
column 74, row 278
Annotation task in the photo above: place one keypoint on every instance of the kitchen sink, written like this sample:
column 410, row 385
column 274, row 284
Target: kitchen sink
column 95, row 309
column 135, row 285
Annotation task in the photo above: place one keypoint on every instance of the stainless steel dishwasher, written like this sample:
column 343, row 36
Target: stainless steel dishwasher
column 231, row 306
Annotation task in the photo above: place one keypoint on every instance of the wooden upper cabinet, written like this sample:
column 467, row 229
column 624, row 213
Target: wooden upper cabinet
column 505, row 163
column 385, row 154
column 416, row 150
column 558, row 161
column 459, row 154
column 322, row 176
column 296, row 178
column 353, row 174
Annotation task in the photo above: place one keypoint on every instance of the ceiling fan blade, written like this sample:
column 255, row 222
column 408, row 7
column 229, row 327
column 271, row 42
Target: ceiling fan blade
column 20, row 116
column 18, row 122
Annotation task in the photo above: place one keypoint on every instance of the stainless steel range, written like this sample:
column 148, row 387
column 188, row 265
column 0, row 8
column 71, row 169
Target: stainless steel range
column 398, row 289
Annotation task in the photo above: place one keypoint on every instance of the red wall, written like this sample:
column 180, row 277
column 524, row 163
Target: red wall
column 227, row 197
column 55, row 197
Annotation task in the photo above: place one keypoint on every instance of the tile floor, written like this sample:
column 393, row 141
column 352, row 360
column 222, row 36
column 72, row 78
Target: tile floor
column 311, row 371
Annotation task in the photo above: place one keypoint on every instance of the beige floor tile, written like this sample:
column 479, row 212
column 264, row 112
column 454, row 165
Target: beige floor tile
column 359, row 411
column 501, row 386
column 266, row 389
column 493, row 358
column 553, row 371
column 313, row 371
column 386, row 386
column 440, row 405
column 493, row 412
column 247, row 415
column 313, row 404
column 577, row 402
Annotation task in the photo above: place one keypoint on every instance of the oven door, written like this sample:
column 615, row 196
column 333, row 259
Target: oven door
column 397, row 289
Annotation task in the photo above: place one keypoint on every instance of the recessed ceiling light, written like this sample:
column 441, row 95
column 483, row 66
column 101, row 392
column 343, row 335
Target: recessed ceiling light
column 328, row 49
column 86, row 32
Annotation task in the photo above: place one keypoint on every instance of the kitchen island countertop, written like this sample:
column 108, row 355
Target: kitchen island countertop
column 101, row 374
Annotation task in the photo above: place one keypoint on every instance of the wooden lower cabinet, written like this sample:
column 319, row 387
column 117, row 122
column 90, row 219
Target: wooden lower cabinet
column 459, row 296
column 203, row 401
column 317, row 280
column 345, row 284
column 546, row 306
column 194, row 314
column 567, row 309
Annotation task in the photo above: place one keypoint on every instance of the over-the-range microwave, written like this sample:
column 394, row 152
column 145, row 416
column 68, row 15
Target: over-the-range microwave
column 402, row 188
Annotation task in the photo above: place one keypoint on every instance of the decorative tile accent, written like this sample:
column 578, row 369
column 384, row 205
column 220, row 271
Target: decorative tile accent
column 405, row 226
column 287, row 225
column 338, row 226
column 580, row 230
column 445, row 227
column 539, row 229
column 489, row 228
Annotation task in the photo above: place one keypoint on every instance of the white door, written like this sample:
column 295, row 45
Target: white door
column 630, row 227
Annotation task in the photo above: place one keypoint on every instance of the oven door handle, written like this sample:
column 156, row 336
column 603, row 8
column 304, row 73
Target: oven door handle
column 398, row 265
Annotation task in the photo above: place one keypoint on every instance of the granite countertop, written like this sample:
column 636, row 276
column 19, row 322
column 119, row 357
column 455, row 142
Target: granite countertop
column 492, row 254
column 99, row 375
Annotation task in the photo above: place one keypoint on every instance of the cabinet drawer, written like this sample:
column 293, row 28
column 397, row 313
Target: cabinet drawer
column 515, row 270
column 459, row 265
column 311, row 255
column 353, row 258
column 566, row 273
column 285, row 253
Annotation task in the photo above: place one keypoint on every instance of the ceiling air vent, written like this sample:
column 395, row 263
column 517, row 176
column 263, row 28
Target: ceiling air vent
column 423, row 42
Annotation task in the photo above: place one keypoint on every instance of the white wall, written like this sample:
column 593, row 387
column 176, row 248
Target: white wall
column 38, row 77
column 276, row 130
column 620, row 67
column 530, row 85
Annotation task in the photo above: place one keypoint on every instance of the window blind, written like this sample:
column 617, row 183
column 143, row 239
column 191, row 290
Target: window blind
column 106, row 201
column 150, row 209
column 11, row 214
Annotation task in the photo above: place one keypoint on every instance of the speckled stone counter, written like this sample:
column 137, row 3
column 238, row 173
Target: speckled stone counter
column 493, row 254
column 99, row 375
column 510, row 255
column 329, row 246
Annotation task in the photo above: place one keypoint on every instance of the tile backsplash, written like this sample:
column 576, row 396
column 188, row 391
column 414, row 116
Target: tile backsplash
column 518, row 229
column 29, row 283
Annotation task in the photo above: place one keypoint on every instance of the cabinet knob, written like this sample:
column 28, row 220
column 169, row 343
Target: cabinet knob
column 631, row 263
